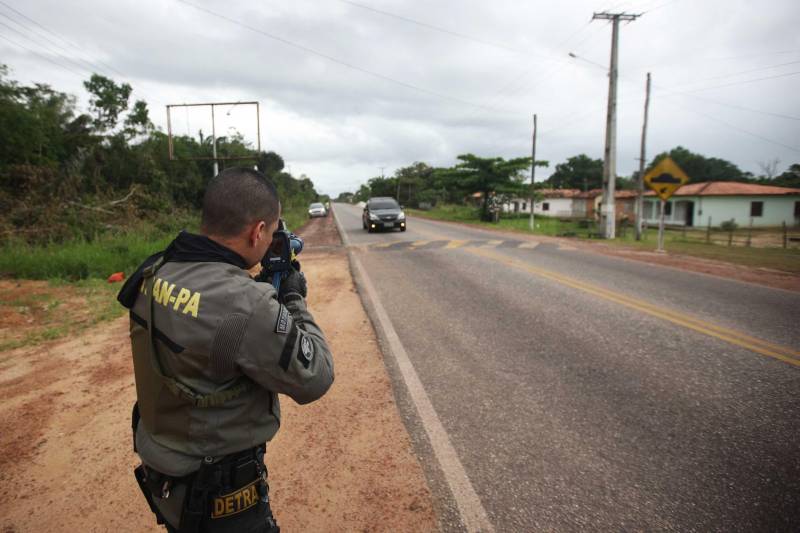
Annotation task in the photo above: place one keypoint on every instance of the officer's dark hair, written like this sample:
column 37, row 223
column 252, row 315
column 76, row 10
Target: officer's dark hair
column 236, row 198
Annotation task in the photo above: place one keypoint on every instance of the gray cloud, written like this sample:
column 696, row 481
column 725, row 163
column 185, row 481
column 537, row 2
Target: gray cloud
column 338, row 124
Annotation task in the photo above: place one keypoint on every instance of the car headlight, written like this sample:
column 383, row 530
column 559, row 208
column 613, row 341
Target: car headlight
column 401, row 216
column 373, row 217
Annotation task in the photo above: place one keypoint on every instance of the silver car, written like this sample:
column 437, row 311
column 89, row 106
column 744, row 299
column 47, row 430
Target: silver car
column 317, row 210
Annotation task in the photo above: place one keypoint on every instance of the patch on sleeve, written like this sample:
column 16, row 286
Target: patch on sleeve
column 306, row 351
column 282, row 324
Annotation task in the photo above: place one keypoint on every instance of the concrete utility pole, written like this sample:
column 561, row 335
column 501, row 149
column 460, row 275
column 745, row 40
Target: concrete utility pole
column 640, row 180
column 533, row 169
column 214, row 143
column 610, row 156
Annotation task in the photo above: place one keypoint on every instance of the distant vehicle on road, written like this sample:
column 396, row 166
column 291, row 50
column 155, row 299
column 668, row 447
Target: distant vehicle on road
column 383, row 212
column 317, row 210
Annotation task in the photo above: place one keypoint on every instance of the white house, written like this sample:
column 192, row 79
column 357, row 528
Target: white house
column 556, row 203
column 719, row 201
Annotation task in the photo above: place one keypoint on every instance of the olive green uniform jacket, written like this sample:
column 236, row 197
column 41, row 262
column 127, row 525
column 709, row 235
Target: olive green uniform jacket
column 231, row 348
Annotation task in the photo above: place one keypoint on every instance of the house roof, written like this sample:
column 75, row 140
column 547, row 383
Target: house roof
column 560, row 193
column 590, row 194
column 624, row 194
column 594, row 193
column 730, row 188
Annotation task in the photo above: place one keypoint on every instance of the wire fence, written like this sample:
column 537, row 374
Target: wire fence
column 784, row 236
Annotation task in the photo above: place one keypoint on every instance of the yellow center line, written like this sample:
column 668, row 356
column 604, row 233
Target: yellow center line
column 782, row 353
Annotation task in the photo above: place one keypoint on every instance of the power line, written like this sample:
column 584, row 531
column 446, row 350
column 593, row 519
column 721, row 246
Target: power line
column 439, row 28
column 737, row 128
column 92, row 66
column 726, row 104
column 334, row 59
column 513, row 87
column 739, row 73
column 57, row 36
column 49, row 49
column 785, row 75
column 48, row 59
column 690, row 94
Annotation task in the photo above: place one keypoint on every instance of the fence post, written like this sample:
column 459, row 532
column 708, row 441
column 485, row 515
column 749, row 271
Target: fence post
column 750, row 233
column 730, row 237
column 784, row 234
column 708, row 232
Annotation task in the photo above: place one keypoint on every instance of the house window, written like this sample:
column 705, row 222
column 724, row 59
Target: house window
column 668, row 209
column 545, row 206
column 648, row 211
column 756, row 209
column 524, row 205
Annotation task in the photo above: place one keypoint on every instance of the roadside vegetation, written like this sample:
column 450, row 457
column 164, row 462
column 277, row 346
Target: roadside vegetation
column 85, row 193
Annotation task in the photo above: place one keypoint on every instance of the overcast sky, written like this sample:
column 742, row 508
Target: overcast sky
column 348, row 87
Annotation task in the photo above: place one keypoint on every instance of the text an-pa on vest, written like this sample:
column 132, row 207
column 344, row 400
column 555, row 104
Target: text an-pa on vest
column 164, row 293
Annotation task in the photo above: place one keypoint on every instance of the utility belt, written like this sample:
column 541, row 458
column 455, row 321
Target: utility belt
column 222, row 491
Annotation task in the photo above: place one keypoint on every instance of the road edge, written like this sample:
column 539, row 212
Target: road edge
column 470, row 509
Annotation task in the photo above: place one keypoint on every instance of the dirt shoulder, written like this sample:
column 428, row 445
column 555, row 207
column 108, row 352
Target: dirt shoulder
column 762, row 276
column 342, row 463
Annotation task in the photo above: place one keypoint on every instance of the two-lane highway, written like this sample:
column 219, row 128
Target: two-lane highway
column 580, row 391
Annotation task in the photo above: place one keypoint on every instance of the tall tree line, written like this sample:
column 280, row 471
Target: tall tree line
column 67, row 173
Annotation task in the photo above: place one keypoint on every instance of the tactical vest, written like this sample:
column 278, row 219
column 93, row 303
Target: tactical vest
column 192, row 398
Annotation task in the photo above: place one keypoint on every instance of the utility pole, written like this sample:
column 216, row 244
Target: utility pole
column 214, row 143
column 533, row 169
column 610, row 155
column 640, row 180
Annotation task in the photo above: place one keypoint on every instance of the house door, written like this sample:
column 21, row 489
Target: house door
column 689, row 214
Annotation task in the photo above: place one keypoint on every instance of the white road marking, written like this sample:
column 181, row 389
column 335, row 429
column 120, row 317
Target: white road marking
column 473, row 515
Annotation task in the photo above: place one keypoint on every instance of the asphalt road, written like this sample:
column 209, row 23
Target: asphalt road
column 585, row 392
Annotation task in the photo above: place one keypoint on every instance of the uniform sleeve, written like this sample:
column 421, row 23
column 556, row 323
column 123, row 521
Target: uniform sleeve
column 284, row 350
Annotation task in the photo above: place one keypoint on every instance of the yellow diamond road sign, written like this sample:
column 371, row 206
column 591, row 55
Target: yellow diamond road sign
column 665, row 178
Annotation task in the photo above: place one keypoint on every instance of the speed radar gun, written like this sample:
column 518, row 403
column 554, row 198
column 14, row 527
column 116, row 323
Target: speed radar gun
column 277, row 262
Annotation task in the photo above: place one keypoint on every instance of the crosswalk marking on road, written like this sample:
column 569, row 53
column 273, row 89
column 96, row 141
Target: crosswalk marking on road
column 453, row 244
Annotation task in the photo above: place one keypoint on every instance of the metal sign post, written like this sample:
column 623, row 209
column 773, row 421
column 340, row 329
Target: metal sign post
column 215, row 158
column 664, row 179
column 661, row 228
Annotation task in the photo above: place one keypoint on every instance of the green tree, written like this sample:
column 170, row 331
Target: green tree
column 413, row 180
column 700, row 168
column 789, row 178
column 270, row 163
column 138, row 120
column 108, row 100
column 578, row 172
column 486, row 175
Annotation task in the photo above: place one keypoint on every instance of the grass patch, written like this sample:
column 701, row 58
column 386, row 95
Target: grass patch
column 35, row 312
column 100, row 257
column 787, row 260
column 295, row 216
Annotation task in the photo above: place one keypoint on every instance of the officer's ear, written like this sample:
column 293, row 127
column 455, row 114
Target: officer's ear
column 257, row 234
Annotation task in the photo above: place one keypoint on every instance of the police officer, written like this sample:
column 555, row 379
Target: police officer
column 212, row 350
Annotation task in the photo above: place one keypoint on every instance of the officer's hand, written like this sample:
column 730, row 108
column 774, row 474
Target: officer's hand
column 264, row 276
column 294, row 283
